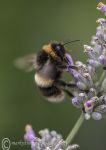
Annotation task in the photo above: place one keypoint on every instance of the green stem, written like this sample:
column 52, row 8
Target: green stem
column 98, row 84
column 75, row 130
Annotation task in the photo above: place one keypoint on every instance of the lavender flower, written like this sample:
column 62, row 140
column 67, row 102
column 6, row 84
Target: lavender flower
column 101, row 7
column 48, row 141
column 90, row 94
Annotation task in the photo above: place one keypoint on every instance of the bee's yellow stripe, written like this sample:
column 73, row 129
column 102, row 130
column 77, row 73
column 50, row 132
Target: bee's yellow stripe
column 48, row 50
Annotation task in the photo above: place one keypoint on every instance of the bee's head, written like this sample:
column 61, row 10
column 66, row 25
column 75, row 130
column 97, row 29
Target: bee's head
column 59, row 50
column 55, row 50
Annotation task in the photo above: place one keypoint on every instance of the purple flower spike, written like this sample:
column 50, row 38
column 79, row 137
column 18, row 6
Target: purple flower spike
column 101, row 7
column 48, row 140
column 30, row 135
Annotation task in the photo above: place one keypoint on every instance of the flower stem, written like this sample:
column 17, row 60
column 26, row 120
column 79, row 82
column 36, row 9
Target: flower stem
column 75, row 130
column 98, row 84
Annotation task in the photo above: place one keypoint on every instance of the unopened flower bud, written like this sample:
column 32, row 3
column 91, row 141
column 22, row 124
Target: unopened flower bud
column 101, row 7
column 101, row 21
column 96, row 116
column 93, row 63
column 102, row 60
column 87, row 116
column 101, row 109
column 92, row 93
column 91, row 70
column 29, row 135
column 76, row 102
column 82, row 97
column 73, row 147
column 81, row 85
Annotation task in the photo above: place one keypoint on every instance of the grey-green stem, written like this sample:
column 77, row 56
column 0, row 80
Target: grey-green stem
column 75, row 130
column 99, row 83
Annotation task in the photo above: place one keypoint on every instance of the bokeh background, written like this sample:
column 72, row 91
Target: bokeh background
column 24, row 27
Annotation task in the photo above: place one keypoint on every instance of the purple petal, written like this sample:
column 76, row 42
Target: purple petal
column 102, row 59
column 88, row 104
column 30, row 135
column 101, row 7
column 70, row 60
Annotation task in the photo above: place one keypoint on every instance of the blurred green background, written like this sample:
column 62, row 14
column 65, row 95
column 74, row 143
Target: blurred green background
column 25, row 25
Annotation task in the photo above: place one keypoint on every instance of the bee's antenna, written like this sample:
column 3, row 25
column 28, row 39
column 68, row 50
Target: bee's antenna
column 71, row 42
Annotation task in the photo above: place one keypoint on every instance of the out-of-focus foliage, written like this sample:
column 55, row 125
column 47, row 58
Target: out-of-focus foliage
column 24, row 27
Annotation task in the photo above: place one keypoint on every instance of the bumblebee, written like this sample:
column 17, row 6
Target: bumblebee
column 49, row 64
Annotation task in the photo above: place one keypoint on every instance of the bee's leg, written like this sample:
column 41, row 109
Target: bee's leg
column 65, row 67
column 62, row 67
column 73, row 67
column 64, row 84
column 68, row 92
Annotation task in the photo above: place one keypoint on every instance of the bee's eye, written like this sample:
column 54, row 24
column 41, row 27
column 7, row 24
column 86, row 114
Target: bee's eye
column 58, row 48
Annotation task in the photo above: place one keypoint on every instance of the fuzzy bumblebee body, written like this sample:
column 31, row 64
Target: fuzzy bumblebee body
column 49, row 64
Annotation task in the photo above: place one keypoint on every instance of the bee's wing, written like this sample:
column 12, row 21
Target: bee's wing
column 26, row 63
